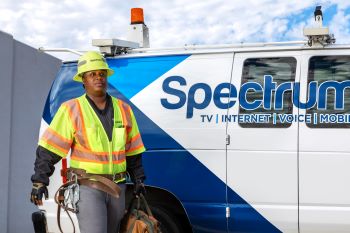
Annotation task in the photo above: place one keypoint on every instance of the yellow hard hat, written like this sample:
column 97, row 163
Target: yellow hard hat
column 91, row 61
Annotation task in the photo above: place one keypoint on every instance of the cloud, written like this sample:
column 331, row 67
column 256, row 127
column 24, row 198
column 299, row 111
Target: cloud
column 340, row 26
column 74, row 24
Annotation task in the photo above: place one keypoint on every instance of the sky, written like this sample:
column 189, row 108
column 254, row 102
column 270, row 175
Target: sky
column 74, row 23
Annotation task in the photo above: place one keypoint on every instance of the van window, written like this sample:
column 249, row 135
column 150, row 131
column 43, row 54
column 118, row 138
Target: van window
column 282, row 70
column 330, row 68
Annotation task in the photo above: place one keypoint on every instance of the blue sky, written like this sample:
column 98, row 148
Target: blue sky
column 73, row 24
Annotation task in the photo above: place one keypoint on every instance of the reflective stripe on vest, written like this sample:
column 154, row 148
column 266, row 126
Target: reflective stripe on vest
column 57, row 141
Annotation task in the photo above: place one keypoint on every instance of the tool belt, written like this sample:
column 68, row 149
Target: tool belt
column 81, row 173
column 77, row 177
column 102, row 182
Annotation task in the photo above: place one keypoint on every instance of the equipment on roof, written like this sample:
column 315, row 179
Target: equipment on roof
column 318, row 36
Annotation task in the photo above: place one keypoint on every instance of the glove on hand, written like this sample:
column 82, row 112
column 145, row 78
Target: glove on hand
column 38, row 191
column 139, row 187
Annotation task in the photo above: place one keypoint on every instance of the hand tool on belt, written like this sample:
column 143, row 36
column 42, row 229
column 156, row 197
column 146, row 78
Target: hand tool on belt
column 76, row 177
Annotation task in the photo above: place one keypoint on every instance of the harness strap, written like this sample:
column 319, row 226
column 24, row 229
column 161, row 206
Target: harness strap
column 59, row 199
column 59, row 218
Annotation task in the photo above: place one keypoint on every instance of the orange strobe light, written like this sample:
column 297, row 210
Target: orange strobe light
column 137, row 15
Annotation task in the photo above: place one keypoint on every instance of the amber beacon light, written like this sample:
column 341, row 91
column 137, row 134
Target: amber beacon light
column 137, row 15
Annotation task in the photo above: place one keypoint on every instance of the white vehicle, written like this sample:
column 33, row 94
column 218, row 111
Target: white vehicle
column 239, row 138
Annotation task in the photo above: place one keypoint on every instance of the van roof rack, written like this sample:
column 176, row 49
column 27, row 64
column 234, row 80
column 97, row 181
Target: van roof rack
column 129, row 49
column 223, row 46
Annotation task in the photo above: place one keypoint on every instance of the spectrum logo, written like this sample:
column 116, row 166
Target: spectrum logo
column 225, row 95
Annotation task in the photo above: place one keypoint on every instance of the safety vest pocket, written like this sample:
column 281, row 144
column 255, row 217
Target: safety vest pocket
column 119, row 138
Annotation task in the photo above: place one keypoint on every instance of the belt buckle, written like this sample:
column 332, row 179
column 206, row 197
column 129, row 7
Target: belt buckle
column 117, row 176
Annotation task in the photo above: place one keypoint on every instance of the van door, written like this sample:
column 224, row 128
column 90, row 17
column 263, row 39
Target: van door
column 324, row 148
column 262, row 153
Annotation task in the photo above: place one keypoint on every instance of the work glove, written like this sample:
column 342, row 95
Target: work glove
column 38, row 190
column 139, row 188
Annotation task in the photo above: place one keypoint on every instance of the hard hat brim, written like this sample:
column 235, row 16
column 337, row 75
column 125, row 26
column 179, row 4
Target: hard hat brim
column 78, row 77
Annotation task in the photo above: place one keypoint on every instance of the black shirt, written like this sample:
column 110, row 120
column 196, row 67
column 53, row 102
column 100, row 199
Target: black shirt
column 105, row 115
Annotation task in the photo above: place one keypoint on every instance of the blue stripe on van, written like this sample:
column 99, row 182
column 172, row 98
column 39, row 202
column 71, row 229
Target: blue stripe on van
column 133, row 74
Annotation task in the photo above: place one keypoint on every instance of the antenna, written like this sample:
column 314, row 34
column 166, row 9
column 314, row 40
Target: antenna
column 319, row 36
column 318, row 16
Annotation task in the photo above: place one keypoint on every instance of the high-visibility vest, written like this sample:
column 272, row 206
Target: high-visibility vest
column 77, row 128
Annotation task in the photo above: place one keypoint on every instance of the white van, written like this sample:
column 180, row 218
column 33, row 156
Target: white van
column 239, row 138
